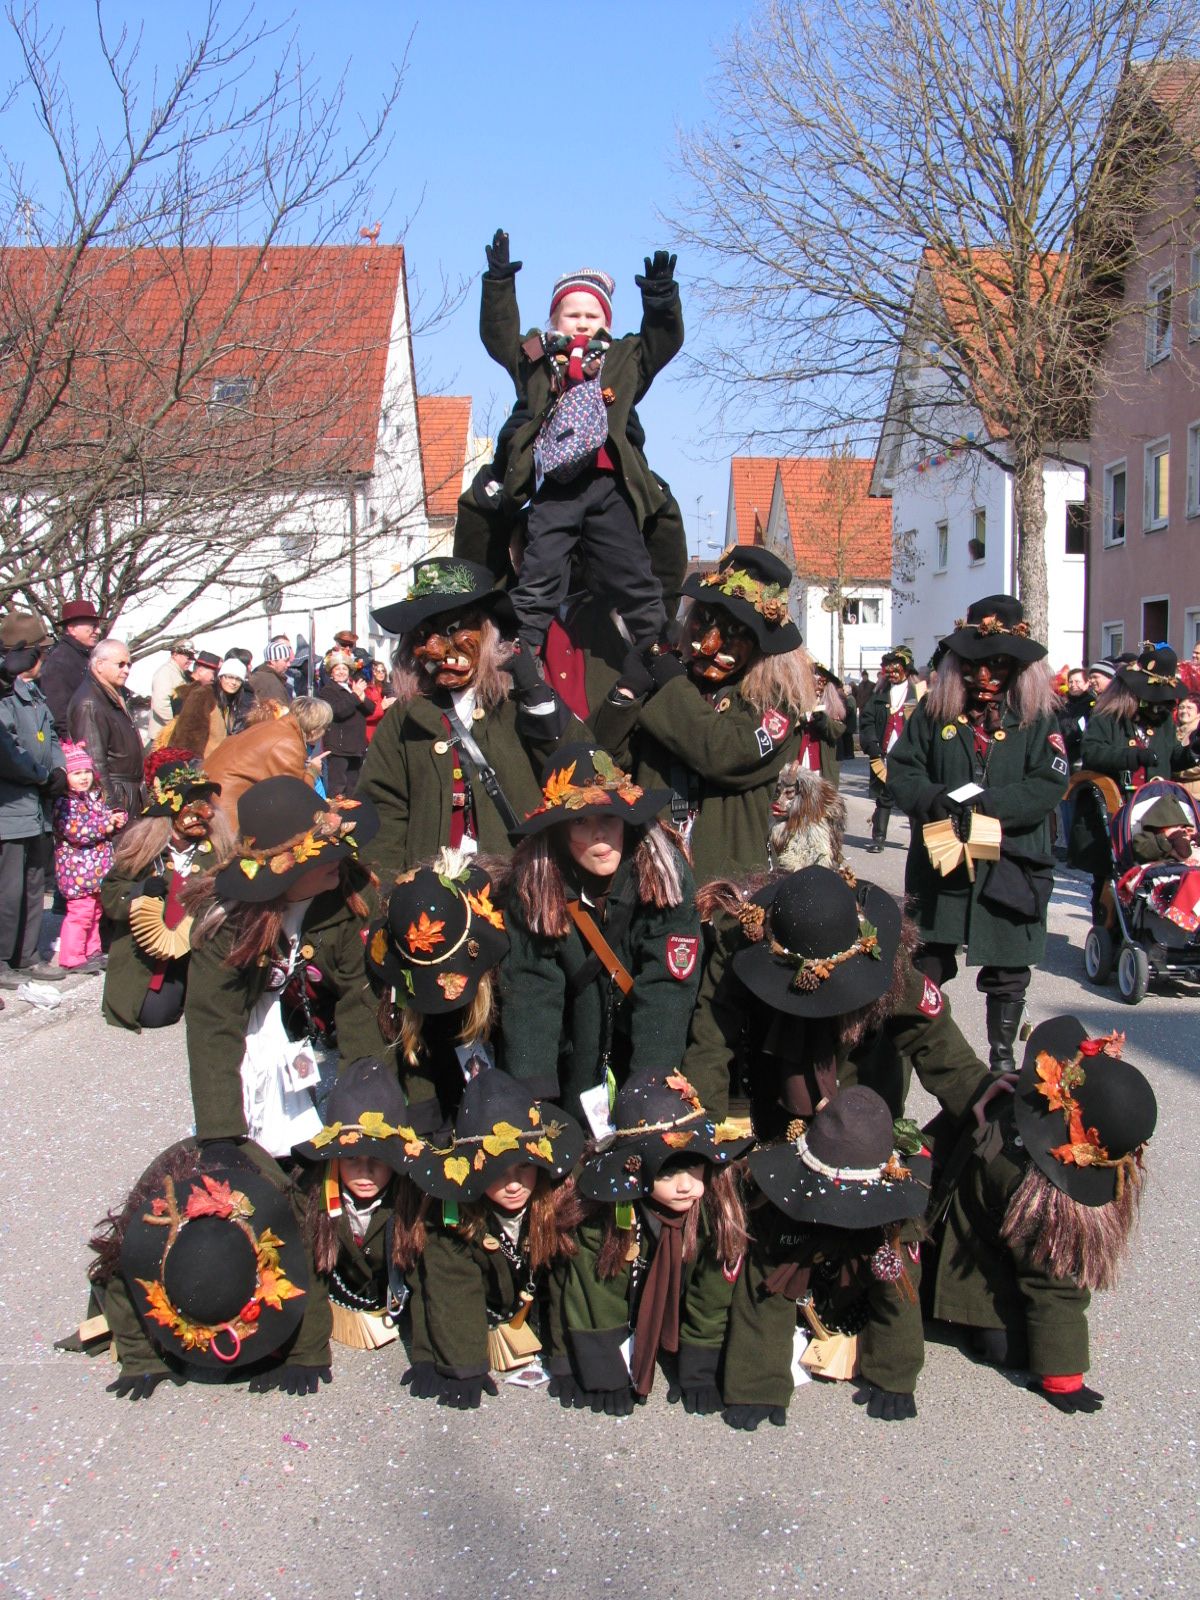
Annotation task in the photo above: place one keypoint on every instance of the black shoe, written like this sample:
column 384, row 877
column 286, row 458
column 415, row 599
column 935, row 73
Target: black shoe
column 875, row 848
column 1003, row 1021
column 40, row 972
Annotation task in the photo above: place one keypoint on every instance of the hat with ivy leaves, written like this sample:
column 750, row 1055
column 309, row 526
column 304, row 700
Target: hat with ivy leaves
column 656, row 1117
column 582, row 781
column 499, row 1125
column 366, row 1118
column 751, row 584
column 439, row 936
column 285, row 829
column 174, row 779
column 441, row 584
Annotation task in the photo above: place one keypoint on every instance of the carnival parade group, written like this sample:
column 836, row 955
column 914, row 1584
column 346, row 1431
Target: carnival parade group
column 565, row 1047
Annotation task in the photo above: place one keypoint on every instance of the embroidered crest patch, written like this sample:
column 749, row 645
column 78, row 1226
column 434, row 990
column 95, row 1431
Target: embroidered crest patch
column 1059, row 743
column 931, row 1000
column 682, row 952
column 776, row 724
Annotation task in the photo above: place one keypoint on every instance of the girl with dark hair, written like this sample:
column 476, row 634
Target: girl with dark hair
column 432, row 962
column 658, row 1254
column 277, row 976
column 603, row 968
column 478, row 1275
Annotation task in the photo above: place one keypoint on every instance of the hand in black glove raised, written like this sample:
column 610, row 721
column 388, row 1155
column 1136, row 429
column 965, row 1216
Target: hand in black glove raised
column 522, row 668
column 885, row 1403
column 568, row 1392
column 422, row 1378
column 636, row 678
column 747, row 1418
column 137, row 1387
column 155, row 886
column 663, row 665
column 1083, row 1400
column 464, row 1394
column 659, row 276
column 498, row 262
column 699, row 1400
column 290, row 1379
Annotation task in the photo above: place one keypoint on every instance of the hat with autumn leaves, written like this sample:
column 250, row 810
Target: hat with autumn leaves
column 215, row 1264
column 441, row 934
column 499, row 1125
column 581, row 781
column 284, row 830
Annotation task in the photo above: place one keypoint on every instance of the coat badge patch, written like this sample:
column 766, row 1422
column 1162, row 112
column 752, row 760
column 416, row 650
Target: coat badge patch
column 1060, row 766
column 776, row 724
column 1059, row 743
column 949, row 731
column 683, row 949
column 931, row 1000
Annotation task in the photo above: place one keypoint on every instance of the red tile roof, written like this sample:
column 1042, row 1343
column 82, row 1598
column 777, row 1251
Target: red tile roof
column 753, row 479
column 1175, row 88
column 827, row 499
column 144, row 336
column 444, row 424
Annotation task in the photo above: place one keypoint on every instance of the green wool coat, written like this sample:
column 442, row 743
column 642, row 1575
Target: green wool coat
column 828, row 731
column 758, row 1352
column 553, row 1037
column 982, row 1281
column 221, row 997
column 1106, row 748
column 409, row 775
column 872, row 727
column 598, row 1315
column 677, row 732
column 459, row 1290
column 736, row 1039
column 127, row 976
column 137, row 1351
column 1025, row 777
column 630, row 367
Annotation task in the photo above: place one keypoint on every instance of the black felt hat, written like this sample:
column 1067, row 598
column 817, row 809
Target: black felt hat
column 900, row 655
column 216, row 1267
column 174, row 778
column 441, row 584
column 751, row 584
column 832, row 677
column 284, row 830
column 439, row 937
column 818, row 947
column 657, row 1117
column 994, row 626
column 844, row 1170
column 1082, row 1113
column 582, row 781
column 1155, row 674
column 365, row 1117
column 499, row 1125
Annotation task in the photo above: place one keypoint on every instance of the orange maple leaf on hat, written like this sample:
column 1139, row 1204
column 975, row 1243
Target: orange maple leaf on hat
column 559, row 786
column 425, row 934
column 481, row 906
column 216, row 1199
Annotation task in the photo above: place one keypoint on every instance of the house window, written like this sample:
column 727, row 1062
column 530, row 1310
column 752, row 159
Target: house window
column 863, row 612
column 1157, row 472
column 1160, row 292
column 1193, row 470
column 942, row 535
column 1075, row 543
column 1194, row 296
column 1191, row 630
column 977, row 543
column 229, row 394
column 1113, row 635
column 1156, row 619
column 1114, row 504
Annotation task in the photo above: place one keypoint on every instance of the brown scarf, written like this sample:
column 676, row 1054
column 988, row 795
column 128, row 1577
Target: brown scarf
column 658, row 1311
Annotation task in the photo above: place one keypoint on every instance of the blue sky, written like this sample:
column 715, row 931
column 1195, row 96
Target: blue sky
column 557, row 123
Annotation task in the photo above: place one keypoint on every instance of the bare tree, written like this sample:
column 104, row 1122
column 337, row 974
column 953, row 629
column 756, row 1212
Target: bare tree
column 928, row 190
column 178, row 407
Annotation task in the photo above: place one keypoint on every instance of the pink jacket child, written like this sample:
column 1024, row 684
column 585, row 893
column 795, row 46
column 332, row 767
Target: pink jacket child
column 84, row 824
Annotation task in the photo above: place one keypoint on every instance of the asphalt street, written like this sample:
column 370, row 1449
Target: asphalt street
column 364, row 1491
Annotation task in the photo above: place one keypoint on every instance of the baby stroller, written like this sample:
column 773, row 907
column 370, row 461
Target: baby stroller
column 1152, row 932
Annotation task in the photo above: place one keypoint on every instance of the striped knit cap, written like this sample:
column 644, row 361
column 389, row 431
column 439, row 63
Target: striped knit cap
column 590, row 280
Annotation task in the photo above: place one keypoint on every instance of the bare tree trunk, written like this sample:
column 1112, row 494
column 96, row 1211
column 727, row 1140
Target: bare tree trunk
column 1029, row 506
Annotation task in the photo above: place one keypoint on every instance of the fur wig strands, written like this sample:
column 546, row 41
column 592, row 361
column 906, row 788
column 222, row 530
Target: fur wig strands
column 1083, row 1243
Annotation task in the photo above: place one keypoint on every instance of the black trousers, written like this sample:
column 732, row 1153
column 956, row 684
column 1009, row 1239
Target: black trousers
column 593, row 508
column 23, row 865
column 341, row 774
column 940, row 962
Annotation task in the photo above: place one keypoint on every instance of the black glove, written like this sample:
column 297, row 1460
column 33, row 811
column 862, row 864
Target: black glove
column 635, row 677
column 816, row 718
column 885, row 1403
column 747, row 1418
column 1084, row 1399
column 156, row 886
column 610, row 1402
column 942, row 808
column 659, row 276
column 701, row 1400
column 422, row 1378
column 291, row 1380
column 464, row 1394
column 663, row 666
column 497, row 257
column 522, row 668
column 568, row 1392
column 139, row 1387
column 1141, row 755
column 56, row 783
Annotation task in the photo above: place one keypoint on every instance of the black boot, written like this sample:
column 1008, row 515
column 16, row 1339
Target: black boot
column 1003, row 1020
column 879, row 828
